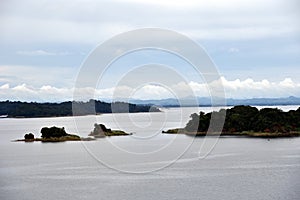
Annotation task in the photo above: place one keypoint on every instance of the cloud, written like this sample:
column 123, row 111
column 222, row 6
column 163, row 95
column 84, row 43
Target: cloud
column 5, row 86
column 49, row 22
column 233, row 50
column 288, row 83
column 247, row 88
column 37, row 76
column 48, row 30
column 152, row 91
column 249, row 33
column 42, row 53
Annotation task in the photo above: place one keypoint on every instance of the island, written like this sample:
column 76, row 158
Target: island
column 101, row 131
column 57, row 134
column 245, row 121
column 52, row 134
column 17, row 109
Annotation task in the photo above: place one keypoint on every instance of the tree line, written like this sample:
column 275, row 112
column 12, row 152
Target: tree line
column 247, row 118
column 69, row 108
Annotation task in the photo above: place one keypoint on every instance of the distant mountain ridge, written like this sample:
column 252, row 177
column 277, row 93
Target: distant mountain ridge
column 206, row 101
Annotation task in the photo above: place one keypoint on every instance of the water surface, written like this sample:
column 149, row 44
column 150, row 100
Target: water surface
column 237, row 168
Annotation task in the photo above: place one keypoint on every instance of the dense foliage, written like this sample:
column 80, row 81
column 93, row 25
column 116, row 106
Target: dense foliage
column 247, row 118
column 29, row 136
column 100, row 130
column 53, row 132
column 33, row 109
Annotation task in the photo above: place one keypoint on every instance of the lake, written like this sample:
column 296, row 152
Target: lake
column 147, row 164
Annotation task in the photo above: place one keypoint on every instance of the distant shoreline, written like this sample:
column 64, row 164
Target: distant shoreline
column 246, row 134
column 227, row 105
column 22, row 117
column 17, row 109
column 161, row 110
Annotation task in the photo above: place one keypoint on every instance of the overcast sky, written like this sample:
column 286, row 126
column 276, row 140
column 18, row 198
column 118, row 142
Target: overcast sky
column 254, row 44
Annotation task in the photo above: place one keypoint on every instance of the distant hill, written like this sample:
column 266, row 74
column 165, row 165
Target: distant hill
column 33, row 109
column 206, row 101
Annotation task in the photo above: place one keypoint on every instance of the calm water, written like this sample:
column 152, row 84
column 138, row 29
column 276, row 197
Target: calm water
column 146, row 165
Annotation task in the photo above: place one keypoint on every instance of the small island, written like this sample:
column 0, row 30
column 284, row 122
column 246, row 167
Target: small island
column 245, row 121
column 101, row 131
column 56, row 134
column 52, row 134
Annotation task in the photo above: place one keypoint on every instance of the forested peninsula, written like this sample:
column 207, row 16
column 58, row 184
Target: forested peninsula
column 69, row 108
column 244, row 121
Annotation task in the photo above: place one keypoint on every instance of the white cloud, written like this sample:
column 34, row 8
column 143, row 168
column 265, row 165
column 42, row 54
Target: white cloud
column 5, row 86
column 35, row 26
column 48, row 30
column 288, row 83
column 94, row 21
column 242, row 33
column 247, row 88
column 203, row 4
column 42, row 53
column 233, row 50
column 152, row 92
column 37, row 75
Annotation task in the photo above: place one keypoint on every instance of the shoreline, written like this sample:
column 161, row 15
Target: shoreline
column 98, row 114
column 159, row 107
column 62, row 139
column 246, row 134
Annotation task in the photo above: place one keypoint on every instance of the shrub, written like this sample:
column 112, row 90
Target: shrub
column 53, row 132
column 29, row 136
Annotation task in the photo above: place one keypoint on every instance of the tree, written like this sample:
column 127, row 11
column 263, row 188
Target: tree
column 193, row 124
column 247, row 118
column 100, row 130
column 29, row 136
column 33, row 109
column 53, row 132
column 240, row 118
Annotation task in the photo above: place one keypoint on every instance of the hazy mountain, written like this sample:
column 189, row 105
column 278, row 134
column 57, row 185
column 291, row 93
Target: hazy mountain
column 206, row 101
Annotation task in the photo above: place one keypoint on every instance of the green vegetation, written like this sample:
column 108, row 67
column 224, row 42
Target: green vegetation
column 101, row 131
column 33, row 109
column 246, row 121
column 56, row 134
column 69, row 137
column 174, row 131
column 52, row 134
column 29, row 136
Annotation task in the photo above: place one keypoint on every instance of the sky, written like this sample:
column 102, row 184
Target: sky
column 254, row 44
